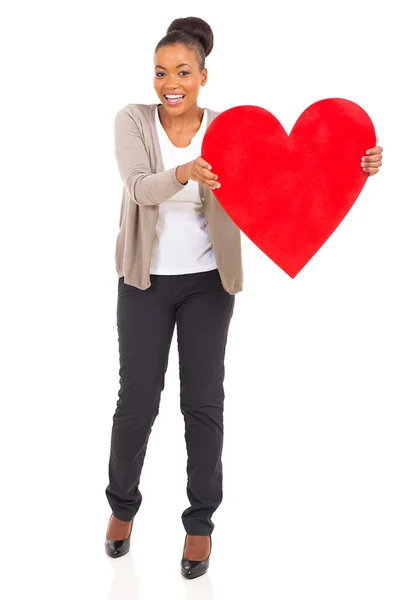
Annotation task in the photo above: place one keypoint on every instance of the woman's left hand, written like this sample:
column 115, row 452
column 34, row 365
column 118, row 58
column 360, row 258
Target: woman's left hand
column 373, row 160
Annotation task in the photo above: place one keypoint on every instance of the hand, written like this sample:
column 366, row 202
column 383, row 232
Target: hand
column 199, row 170
column 371, row 163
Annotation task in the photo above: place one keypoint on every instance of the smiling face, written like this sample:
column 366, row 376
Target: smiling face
column 177, row 73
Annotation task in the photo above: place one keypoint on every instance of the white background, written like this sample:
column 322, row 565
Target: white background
column 311, row 453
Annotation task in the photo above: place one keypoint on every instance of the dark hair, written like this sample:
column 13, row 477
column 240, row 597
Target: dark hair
column 194, row 33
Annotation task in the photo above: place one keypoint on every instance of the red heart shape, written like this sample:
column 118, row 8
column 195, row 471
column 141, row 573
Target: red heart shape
column 289, row 193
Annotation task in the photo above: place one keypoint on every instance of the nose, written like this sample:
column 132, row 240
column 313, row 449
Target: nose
column 171, row 80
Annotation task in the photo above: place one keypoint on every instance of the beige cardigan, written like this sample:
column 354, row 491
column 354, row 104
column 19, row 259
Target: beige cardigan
column 146, row 185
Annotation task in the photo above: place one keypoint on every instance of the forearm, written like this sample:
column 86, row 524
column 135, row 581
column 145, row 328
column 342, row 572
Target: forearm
column 155, row 188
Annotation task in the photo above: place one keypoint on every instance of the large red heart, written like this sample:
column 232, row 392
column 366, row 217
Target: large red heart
column 289, row 193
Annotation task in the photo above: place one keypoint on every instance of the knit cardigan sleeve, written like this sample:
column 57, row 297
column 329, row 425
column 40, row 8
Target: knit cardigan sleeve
column 143, row 186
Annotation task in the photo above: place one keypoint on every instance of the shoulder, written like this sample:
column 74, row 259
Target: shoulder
column 137, row 112
column 213, row 113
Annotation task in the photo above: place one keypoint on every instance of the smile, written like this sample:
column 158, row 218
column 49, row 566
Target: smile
column 174, row 99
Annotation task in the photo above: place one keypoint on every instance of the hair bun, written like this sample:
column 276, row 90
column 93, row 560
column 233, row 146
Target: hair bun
column 196, row 27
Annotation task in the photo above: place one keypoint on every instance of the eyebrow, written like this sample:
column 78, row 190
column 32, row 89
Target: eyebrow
column 177, row 66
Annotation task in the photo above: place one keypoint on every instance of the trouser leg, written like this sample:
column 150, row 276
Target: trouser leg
column 145, row 322
column 203, row 316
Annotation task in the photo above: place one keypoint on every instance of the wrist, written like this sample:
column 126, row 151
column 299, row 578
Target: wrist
column 182, row 174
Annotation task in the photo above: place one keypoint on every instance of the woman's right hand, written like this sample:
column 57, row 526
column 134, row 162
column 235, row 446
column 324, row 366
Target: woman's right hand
column 198, row 170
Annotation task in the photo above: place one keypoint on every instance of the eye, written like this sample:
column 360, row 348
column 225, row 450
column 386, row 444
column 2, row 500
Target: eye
column 181, row 72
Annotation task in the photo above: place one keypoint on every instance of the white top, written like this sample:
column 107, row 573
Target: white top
column 182, row 243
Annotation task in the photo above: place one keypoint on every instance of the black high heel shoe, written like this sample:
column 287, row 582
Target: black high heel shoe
column 194, row 568
column 117, row 548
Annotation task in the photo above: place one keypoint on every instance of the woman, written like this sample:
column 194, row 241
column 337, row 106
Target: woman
column 178, row 258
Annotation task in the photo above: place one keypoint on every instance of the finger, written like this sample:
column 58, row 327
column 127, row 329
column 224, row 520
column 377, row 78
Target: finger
column 371, row 171
column 371, row 163
column 203, row 163
column 369, row 168
column 376, row 150
column 214, row 185
column 368, row 160
column 204, row 173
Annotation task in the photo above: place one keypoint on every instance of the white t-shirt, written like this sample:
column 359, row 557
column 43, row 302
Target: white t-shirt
column 182, row 242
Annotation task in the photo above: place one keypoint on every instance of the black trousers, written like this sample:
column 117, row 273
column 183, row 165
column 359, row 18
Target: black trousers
column 201, row 309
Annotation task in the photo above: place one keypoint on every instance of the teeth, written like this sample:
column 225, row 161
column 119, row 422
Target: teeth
column 173, row 96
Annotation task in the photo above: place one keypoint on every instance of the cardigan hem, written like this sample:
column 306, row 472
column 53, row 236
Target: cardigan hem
column 145, row 285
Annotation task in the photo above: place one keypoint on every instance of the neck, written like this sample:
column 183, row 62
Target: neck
column 187, row 120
